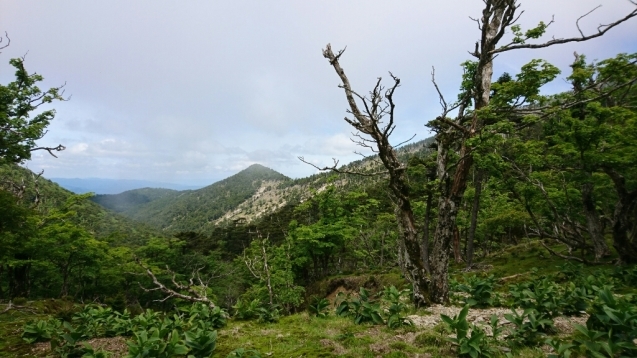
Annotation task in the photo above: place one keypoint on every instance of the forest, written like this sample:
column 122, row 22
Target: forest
column 511, row 232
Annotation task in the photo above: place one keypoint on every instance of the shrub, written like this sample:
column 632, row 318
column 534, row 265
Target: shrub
column 319, row 307
column 529, row 328
column 395, row 317
column 362, row 309
column 480, row 290
column 471, row 341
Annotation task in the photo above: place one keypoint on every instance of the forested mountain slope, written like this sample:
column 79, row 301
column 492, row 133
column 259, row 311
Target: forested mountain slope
column 193, row 210
column 45, row 195
column 131, row 200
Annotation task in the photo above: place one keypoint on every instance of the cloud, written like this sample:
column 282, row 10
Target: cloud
column 195, row 91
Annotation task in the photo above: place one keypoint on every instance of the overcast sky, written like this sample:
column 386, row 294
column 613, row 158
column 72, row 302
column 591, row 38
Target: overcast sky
column 191, row 92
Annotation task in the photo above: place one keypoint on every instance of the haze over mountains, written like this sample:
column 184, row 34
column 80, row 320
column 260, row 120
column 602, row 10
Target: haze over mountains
column 114, row 186
column 194, row 210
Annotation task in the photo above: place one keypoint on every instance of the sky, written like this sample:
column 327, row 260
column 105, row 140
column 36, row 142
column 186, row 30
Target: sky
column 191, row 92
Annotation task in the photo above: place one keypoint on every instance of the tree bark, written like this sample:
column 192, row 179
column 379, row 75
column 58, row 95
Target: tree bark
column 425, row 235
column 496, row 17
column 477, row 182
column 593, row 223
column 623, row 216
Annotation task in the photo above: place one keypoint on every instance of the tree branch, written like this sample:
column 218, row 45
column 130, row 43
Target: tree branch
column 170, row 293
column 601, row 30
column 341, row 171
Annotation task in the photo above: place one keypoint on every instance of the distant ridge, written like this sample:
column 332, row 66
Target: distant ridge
column 113, row 186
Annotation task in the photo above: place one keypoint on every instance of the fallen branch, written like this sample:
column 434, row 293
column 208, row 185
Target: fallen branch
column 195, row 295
column 11, row 306
column 574, row 258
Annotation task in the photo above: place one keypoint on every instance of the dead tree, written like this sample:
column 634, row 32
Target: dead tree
column 374, row 121
column 260, row 268
column 196, row 291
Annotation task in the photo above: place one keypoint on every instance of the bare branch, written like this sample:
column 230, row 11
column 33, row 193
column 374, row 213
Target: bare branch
column 583, row 16
column 602, row 29
column 341, row 171
column 477, row 21
column 8, row 41
column 195, row 296
column 408, row 140
column 59, row 148
column 11, row 306
column 573, row 258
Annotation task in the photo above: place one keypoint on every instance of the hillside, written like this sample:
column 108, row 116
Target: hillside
column 193, row 210
column 104, row 224
column 131, row 200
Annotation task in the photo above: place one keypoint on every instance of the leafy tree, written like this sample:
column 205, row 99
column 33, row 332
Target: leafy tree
column 17, row 227
column 19, row 101
column 577, row 168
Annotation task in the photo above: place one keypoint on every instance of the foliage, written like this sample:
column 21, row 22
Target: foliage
column 200, row 342
column 246, row 310
column 560, row 349
column 529, row 328
column 611, row 327
column 244, row 353
column 470, row 340
column 541, row 295
column 40, row 331
column 397, row 306
column 153, row 334
column 19, row 100
column 480, row 290
column 361, row 308
column 319, row 307
column 268, row 314
column 153, row 343
column 209, row 317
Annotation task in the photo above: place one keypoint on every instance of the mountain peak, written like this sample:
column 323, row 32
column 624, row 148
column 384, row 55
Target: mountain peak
column 262, row 171
column 256, row 166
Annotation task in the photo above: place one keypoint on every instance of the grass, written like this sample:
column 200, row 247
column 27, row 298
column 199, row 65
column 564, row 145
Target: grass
column 300, row 335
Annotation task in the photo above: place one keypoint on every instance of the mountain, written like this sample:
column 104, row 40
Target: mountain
column 192, row 210
column 113, row 186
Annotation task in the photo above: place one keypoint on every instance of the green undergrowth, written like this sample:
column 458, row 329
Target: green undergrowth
column 12, row 322
column 330, row 330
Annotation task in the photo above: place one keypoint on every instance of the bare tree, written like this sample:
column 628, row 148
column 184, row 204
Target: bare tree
column 374, row 121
